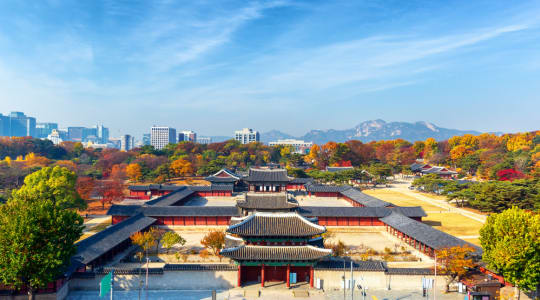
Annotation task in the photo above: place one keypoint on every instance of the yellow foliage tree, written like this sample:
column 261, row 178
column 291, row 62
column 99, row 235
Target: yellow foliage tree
column 459, row 151
column 518, row 142
column 455, row 262
column 181, row 167
column 133, row 171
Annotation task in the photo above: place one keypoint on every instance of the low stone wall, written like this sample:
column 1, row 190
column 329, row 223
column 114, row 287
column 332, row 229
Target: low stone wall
column 169, row 280
column 375, row 280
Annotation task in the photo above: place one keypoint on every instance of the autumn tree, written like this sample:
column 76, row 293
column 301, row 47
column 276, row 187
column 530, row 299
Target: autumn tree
column 511, row 246
column 455, row 262
column 145, row 240
column 158, row 234
column 181, row 167
column 85, row 187
column 110, row 191
column 57, row 184
column 171, row 238
column 38, row 230
column 133, row 171
column 214, row 240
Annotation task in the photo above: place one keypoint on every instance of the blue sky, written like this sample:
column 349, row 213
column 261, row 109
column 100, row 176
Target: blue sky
column 216, row 66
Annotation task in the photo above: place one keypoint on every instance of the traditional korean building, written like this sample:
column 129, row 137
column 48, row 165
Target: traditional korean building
column 267, row 180
column 269, row 247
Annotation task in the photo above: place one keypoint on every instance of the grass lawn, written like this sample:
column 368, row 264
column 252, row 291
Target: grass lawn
column 453, row 223
column 400, row 199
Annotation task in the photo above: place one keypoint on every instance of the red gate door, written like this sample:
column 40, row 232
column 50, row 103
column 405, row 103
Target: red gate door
column 251, row 274
column 275, row 273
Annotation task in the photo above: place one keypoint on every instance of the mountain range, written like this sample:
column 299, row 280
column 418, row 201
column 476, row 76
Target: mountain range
column 368, row 131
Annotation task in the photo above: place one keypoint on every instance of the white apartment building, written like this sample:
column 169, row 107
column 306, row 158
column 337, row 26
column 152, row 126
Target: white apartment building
column 204, row 140
column 246, row 136
column 299, row 146
column 161, row 136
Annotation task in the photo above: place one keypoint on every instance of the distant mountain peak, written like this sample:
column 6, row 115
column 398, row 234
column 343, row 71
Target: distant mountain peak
column 373, row 130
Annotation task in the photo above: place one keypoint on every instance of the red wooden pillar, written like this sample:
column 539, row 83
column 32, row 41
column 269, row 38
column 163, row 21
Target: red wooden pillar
column 311, row 275
column 262, row 275
column 239, row 276
column 288, row 276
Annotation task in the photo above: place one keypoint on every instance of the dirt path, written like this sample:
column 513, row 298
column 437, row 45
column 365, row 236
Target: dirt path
column 404, row 189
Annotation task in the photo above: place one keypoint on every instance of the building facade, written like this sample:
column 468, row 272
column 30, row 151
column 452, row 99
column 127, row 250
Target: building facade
column 44, row 129
column 299, row 146
column 127, row 142
column 102, row 134
column 55, row 137
column 17, row 124
column 161, row 136
column 146, row 139
column 246, row 136
column 204, row 140
column 187, row 136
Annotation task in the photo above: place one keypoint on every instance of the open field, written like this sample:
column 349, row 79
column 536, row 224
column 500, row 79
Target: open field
column 400, row 199
column 453, row 223
column 473, row 241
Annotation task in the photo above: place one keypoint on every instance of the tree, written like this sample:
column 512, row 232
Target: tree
column 338, row 249
column 37, row 237
column 56, row 184
column 157, row 233
column 133, row 171
column 109, row 191
column 511, row 245
column 145, row 240
column 455, row 262
column 85, row 187
column 181, row 167
column 171, row 238
column 214, row 240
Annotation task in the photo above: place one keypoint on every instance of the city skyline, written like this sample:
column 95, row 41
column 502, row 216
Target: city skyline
column 258, row 64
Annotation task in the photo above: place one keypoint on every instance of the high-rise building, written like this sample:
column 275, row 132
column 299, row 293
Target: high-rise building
column 76, row 134
column 127, row 142
column 204, row 140
column 18, row 124
column 146, row 139
column 187, row 136
column 299, row 146
column 4, row 125
column 246, row 136
column 44, row 129
column 162, row 136
column 102, row 134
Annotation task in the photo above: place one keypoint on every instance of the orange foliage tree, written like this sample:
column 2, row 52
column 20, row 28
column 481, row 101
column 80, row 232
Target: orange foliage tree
column 181, row 167
column 85, row 186
column 133, row 171
column 214, row 240
column 455, row 262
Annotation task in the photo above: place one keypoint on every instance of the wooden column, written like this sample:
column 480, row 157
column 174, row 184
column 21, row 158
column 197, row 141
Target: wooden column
column 311, row 275
column 288, row 276
column 262, row 275
column 239, row 276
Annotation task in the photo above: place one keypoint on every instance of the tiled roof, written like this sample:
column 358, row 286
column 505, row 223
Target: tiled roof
column 338, row 169
column 266, row 202
column 357, row 265
column 326, row 188
column 439, row 171
column 317, row 242
column 173, row 211
column 98, row 244
column 301, row 180
column 279, row 253
column 231, row 241
column 416, row 166
column 172, row 198
column 276, row 224
column 409, row 271
column 213, row 187
column 374, row 212
column 266, row 175
column 159, row 187
column 422, row 232
column 227, row 172
column 364, row 199
column 200, row 267
column 221, row 179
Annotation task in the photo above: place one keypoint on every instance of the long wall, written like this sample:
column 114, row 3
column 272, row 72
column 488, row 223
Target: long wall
column 204, row 280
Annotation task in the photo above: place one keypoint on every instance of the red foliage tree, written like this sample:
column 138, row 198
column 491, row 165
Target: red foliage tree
column 509, row 175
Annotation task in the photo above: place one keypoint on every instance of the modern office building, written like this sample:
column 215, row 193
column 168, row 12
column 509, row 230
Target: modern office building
column 44, row 129
column 161, row 136
column 127, row 142
column 246, row 136
column 204, row 140
column 187, row 136
column 76, row 134
column 102, row 134
column 299, row 146
column 146, row 139
column 17, row 124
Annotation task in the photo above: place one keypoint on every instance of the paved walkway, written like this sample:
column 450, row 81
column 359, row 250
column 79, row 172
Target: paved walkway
column 403, row 187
